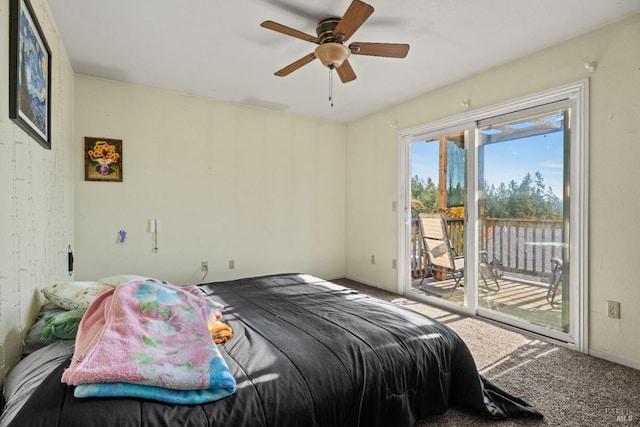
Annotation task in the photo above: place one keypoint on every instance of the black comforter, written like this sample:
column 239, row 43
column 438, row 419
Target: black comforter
column 307, row 352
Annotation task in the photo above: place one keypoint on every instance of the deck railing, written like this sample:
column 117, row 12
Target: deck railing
column 523, row 246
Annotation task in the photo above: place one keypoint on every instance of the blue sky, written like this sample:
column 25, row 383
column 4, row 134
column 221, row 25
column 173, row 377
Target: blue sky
column 504, row 161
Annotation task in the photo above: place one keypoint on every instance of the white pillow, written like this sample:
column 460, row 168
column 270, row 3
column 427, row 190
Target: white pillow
column 119, row 279
column 74, row 295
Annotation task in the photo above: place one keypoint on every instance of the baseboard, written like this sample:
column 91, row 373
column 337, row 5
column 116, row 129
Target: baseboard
column 373, row 285
column 614, row 359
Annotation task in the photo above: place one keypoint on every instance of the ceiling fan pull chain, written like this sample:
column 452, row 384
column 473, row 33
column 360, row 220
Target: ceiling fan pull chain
column 331, row 87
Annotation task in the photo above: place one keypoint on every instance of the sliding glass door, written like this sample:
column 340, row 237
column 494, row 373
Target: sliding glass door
column 509, row 185
column 523, row 217
column 438, row 191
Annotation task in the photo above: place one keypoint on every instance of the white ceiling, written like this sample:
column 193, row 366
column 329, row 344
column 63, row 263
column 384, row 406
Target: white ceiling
column 217, row 49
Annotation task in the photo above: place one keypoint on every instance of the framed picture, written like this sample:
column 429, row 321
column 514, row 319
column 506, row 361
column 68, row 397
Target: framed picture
column 102, row 159
column 29, row 74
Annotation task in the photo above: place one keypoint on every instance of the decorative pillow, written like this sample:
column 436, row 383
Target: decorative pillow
column 119, row 279
column 33, row 341
column 63, row 325
column 74, row 295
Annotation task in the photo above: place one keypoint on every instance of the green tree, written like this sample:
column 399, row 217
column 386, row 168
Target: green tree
column 529, row 199
column 424, row 195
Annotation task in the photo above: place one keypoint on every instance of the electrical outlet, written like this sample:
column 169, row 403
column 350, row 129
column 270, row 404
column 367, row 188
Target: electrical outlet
column 232, row 264
column 373, row 259
column 204, row 266
column 613, row 309
column 394, row 264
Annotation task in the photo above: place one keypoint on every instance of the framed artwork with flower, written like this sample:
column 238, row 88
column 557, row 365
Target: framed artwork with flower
column 102, row 159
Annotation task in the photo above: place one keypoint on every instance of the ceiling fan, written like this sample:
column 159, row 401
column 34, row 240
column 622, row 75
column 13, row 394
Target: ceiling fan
column 331, row 35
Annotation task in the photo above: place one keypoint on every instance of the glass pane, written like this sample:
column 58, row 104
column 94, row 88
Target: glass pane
column 522, row 217
column 438, row 191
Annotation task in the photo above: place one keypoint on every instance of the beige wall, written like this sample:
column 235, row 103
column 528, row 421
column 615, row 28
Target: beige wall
column 227, row 182
column 36, row 189
column 372, row 167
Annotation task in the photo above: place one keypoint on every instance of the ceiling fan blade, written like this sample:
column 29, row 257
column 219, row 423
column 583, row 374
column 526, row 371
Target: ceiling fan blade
column 295, row 65
column 389, row 50
column 289, row 31
column 345, row 72
column 353, row 18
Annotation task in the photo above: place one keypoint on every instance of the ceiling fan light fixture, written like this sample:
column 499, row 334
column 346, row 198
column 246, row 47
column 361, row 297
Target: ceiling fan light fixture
column 331, row 54
column 332, row 33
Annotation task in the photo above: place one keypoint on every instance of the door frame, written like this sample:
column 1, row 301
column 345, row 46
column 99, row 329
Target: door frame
column 576, row 92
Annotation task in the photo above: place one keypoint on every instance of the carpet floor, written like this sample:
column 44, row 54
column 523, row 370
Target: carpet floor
column 570, row 388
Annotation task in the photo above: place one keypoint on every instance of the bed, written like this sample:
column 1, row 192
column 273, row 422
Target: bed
column 304, row 352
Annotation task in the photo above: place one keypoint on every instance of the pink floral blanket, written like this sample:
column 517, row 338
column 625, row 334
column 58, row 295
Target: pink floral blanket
column 147, row 339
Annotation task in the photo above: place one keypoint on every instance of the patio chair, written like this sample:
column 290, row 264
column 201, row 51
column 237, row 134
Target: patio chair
column 441, row 257
column 491, row 269
column 555, row 280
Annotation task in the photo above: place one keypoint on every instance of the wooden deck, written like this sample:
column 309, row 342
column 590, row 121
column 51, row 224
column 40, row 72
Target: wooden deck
column 519, row 298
